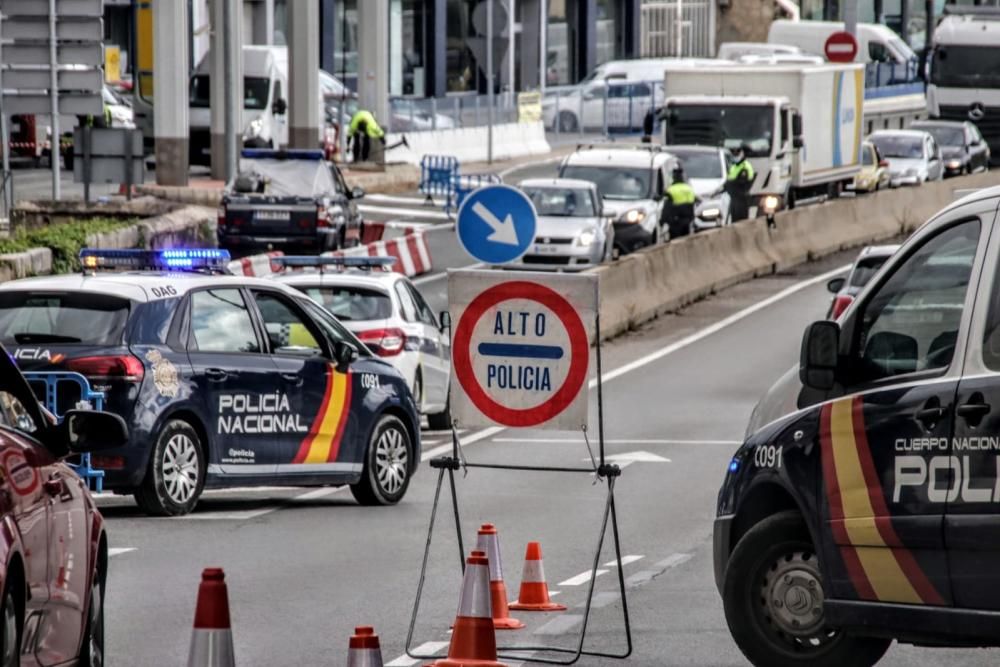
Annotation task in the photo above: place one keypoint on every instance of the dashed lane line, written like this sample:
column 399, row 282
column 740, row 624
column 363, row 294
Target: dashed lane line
column 427, row 648
column 581, row 578
column 560, row 625
column 401, row 199
column 429, row 214
column 626, row 560
column 118, row 551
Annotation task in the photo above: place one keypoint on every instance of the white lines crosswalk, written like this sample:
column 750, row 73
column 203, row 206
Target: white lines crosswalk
column 399, row 208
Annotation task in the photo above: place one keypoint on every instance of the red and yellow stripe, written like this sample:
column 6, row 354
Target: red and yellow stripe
column 323, row 442
column 879, row 565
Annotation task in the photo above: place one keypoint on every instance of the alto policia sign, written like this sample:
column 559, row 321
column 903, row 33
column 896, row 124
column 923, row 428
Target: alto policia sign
column 521, row 348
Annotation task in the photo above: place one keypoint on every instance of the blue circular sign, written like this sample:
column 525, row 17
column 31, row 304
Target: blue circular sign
column 496, row 224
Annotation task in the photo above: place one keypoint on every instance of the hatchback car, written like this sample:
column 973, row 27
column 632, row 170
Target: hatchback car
column 571, row 233
column 962, row 146
column 914, row 156
column 845, row 288
column 874, row 174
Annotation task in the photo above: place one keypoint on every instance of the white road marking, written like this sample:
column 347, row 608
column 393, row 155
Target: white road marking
column 405, row 212
column 426, row 648
column 616, row 441
column 626, row 560
column 560, row 625
column 118, row 551
column 318, row 493
column 462, row 442
column 581, row 578
column 444, row 274
column 673, row 560
column 400, row 199
column 510, row 170
column 601, row 600
column 239, row 515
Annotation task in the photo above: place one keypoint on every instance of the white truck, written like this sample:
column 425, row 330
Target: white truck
column 801, row 125
column 964, row 79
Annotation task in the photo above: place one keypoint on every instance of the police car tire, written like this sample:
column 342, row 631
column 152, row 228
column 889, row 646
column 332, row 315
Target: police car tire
column 441, row 421
column 769, row 542
column 9, row 614
column 152, row 495
column 368, row 491
column 92, row 646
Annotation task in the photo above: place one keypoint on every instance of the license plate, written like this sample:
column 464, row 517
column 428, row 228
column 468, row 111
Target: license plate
column 280, row 216
column 546, row 250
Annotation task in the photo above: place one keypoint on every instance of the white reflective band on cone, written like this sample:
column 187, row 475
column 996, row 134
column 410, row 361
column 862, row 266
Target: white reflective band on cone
column 533, row 572
column 491, row 545
column 211, row 648
column 475, row 600
column 364, row 657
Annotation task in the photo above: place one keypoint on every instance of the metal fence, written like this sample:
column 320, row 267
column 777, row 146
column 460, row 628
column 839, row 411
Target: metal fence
column 661, row 34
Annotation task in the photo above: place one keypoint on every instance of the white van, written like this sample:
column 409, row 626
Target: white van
column 736, row 50
column 876, row 42
column 264, row 120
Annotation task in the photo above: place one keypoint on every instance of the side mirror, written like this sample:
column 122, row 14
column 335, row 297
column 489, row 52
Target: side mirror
column 819, row 356
column 445, row 319
column 798, row 142
column 883, row 163
column 344, row 354
column 797, row 125
column 84, row 431
column 357, row 192
column 279, row 107
column 836, row 284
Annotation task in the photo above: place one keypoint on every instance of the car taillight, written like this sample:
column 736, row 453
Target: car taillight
column 107, row 462
column 384, row 342
column 840, row 304
column 121, row 367
column 322, row 216
column 221, row 216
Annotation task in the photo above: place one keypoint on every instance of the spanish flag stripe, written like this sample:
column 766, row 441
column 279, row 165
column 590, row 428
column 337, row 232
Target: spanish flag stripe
column 333, row 413
column 345, row 412
column 300, row 456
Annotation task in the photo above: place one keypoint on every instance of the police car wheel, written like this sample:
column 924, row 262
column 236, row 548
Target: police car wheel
column 10, row 633
column 92, row 646
column 176, row 473
column 773, row 599
column 386, row 473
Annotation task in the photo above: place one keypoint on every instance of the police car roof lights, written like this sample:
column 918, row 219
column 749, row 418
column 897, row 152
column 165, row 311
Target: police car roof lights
column 286, row 154
column 314, row 261
column 208, row 259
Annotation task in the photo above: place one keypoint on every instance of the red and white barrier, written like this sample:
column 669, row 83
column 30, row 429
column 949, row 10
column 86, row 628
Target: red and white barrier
column 256, row 266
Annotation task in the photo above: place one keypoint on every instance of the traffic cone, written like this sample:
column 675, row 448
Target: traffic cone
column 473, row 641
column 365, row 650
column 534, row 595
column 489, row 542
column 212, row 640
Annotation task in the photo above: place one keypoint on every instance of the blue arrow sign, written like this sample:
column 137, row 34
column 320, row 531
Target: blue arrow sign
column 496, row 224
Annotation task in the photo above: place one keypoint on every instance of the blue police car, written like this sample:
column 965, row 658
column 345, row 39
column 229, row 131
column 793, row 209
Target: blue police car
column 222, row 380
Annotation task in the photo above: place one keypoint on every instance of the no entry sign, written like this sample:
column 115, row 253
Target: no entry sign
column 521, row 348
column 841, row 47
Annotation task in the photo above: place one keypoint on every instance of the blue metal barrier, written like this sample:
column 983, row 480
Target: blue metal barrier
column 88, row 400
column 463, row 184
column 437, row 174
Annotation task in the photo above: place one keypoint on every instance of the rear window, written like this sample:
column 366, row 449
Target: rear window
column 351, row 304
column 91, row 319
column 865, row 269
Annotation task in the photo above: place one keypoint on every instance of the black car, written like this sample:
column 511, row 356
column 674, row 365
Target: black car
column 962, row 146
column 290, row 200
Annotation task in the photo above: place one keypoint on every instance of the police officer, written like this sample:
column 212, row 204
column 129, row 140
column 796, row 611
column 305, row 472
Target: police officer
column 739, row 180
column 362, row 130
column 681, row 200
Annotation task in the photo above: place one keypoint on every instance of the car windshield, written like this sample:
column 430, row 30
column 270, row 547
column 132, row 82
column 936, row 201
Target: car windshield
column 285, row 178
column 865, row 269
column 966, row 66
column 945, row 135
column 349, row 303
column 700, row 164
column 867, row 157
column 613, row 182
column 36, row 318
column 255, row 91
column 562, row 202
column 890, row 146
column 725, row 125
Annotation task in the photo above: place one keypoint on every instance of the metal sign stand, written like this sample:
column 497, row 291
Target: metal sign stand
column 602, row 470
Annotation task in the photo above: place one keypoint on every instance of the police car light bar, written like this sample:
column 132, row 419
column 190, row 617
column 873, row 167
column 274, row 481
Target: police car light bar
column 154, row 260
column 287, row 154
column 347, row 262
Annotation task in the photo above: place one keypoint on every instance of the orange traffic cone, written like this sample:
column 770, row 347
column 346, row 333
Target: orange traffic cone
column 212, row 640
column 489, row 542
column 534, row 595
column 473, row 642
column 365, row 650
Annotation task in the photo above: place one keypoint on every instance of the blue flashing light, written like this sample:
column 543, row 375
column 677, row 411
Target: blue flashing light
column 154, row 260
column 314, row 261
column 734, row 465
column 288, row 154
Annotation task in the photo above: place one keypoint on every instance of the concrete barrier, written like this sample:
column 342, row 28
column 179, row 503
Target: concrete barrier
column 469, row 144
column 31, row 262
column 189, row 226
column 657, row 280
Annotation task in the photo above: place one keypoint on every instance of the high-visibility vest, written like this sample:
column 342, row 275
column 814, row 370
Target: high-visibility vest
column 372, row 129
column 681, row 193
column 743, row 166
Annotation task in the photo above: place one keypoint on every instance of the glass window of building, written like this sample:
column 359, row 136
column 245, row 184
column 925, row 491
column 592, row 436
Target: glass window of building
column 608, row 30
column 461, row 66
column 407, row 47
column 561, row 38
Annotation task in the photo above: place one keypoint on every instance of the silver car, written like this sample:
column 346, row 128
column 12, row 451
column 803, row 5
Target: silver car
column 914, row 156
column 572, row 234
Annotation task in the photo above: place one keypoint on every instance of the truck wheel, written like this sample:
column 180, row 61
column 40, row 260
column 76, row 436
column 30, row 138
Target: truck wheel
column 176, row 473
column 773, row 599
column 567, row 122
column 386, row 473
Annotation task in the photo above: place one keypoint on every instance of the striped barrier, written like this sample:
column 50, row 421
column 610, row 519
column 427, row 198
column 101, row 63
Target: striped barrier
column 256, row 266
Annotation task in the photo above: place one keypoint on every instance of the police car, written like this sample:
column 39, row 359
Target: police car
column 386, row 312
column 222, row 380
column 864, row 505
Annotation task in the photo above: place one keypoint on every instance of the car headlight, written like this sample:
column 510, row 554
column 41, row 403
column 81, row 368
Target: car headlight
column 770, row 203
column 633, row 216
column 711, row 213
column 585, row 238
column 254, row 129
column 953, row 164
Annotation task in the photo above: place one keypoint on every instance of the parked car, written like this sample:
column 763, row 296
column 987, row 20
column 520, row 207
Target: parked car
column 705, row 168
column 962, row 146
column 845, row 288
column 572, row 232
column 874, row 174
column 913, row 155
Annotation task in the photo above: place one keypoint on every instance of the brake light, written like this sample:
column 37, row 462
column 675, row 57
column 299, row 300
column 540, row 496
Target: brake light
column 840, row 304
column 384, row 342
column 221, row 216
column 322, row 216
column 121, row 367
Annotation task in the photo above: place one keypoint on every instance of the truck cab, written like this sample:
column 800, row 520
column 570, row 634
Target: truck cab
column 864, row 504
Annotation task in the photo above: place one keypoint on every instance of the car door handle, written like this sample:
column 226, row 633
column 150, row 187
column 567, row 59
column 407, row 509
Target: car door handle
column 54, row 485
column 294, row 378
column 930, row 415
column 216, row 374
column 973, row 411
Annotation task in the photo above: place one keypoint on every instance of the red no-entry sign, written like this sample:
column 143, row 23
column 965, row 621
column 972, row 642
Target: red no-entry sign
column 841, row 47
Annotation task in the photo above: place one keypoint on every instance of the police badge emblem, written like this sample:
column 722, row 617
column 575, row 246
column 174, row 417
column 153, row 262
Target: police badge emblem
column 165, row 375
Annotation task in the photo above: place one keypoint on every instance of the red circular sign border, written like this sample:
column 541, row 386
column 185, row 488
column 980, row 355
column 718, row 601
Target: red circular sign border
column 841, row 37
column 19, row 489
column 579, row 353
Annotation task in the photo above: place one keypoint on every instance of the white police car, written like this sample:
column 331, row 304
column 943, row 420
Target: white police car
column 222, row 380
column 386, row 312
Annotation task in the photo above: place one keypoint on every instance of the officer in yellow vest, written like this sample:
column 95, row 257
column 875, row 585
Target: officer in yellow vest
column 739, row 180
column 362, row 130
column 679, row 208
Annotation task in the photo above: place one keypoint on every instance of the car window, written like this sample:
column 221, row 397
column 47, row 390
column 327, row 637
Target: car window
column 220, row 322
column 68, row 317
column 288, row 332
column 911, row 322
column 351, row 303
column 867, row 156
column 991, row 335
column 333, row 329
column 864, row 269
column 14, row 415
column 424, row 312
column 406, row 303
